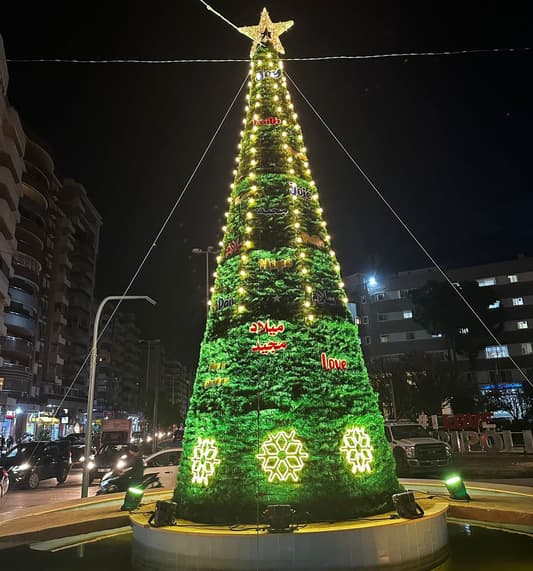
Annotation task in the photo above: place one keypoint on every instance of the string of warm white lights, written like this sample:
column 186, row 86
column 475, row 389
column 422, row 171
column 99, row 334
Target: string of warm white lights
column 408, row 230
column 312, row 58
column 158, row 235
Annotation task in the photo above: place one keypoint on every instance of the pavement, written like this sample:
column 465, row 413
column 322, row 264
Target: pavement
column 49, row 492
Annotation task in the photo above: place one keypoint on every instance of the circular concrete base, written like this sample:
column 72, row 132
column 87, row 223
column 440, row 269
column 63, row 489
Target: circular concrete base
column 373, row 544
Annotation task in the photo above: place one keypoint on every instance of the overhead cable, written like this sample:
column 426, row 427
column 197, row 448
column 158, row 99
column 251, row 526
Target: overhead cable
column 409, row 231
column 158, row 235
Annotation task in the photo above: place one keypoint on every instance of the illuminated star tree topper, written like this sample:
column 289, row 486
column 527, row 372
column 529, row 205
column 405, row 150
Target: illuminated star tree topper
column 266, row 32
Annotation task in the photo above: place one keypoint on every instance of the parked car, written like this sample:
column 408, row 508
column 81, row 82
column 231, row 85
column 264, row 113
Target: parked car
column 166, row 463
column 105, row 459
column 161, row 470
column 415, row 450
column 4, row 482
column 30, row 462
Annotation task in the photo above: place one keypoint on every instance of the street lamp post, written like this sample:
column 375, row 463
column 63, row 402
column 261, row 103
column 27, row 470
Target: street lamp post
column 209, row 250
column 92, row 376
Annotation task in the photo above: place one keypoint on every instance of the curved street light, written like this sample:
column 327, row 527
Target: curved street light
column 92, row 375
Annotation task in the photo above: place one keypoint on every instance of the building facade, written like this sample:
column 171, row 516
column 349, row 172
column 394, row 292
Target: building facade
column 389, row 332
column 178, row 381
column 49, row 235
column 12, row 148
column 119, row 372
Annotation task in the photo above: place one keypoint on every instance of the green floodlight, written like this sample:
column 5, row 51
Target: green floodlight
column 133, row 499
column 456, row 488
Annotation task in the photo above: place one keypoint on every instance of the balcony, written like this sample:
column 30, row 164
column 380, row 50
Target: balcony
column 29, row 250
column 19, row 295
column 15, row 130
column 37, row 180
column 32, row 227
column 11, row 158
column 16, row 348
column 85, row 250
column 32, row 275
column 65, row 244
column 8, row 219
column 16, row 377
column 8, row 188
column 64, row 261
column 20, row 324
column 60, row 318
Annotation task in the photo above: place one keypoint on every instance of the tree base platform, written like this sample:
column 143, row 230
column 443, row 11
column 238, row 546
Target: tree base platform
column 375, row 543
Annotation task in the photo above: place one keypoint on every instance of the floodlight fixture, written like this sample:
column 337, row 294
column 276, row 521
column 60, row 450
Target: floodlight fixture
column 456, row 488
column 406, row 505
column 279, row 518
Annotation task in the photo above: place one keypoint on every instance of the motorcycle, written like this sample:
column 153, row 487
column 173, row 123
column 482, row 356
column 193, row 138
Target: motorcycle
column 118, row 480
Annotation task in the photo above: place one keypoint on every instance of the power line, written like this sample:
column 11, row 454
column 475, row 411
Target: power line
column 158, row 235
column 240, row 60
column 408, row 230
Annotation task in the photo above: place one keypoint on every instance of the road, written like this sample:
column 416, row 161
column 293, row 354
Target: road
column 48, row 492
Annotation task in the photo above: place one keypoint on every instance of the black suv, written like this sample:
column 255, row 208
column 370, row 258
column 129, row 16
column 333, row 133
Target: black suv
column 105, row 459
column 30, row 462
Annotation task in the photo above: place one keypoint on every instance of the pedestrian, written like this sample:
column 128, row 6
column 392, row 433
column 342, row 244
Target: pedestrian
column 135, row 463
column 9, row 442
column 2, row 442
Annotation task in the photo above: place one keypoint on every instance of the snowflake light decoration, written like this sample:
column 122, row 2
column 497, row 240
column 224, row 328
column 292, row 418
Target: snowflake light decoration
column 204, row 461
column 282, row 456
column 357, row 449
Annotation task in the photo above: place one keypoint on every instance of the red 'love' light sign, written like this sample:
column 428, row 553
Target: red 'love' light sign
column 328, row 363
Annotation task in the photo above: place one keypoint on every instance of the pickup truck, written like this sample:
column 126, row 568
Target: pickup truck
column 415, row 451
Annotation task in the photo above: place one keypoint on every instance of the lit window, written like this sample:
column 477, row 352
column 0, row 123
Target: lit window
column 496, row 352
column 384, row 338
column 408, row 314
column 486, row 282
column 436, row 335
column 527, row 348
column 518, row 301
column 365, row 319
column 463, row 330
column 380, row 296
column 513, row 279
column 495, row 305
column 521, row 324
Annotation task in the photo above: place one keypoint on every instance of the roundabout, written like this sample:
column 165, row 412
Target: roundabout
column 382, row 542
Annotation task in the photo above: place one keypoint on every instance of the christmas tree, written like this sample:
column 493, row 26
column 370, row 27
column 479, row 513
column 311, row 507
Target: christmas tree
column 282, row 410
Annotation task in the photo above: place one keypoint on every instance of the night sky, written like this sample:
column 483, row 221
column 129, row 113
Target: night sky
column 448, row 140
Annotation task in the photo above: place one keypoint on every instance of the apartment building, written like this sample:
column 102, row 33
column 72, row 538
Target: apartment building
column 49, row 235
column 119, row 371
column 177, row 383
column 12, row 148
column 388, row 331
column 76, row 252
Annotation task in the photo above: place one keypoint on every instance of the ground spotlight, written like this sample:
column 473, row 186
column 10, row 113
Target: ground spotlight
column 456, row 488
column 406, row 505
column 279, row 517
column 164, row 514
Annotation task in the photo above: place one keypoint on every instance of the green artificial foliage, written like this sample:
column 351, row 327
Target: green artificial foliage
column 254, row 379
